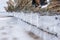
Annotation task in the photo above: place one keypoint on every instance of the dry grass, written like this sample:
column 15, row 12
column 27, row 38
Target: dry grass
column 27, row 6
column 54, row 6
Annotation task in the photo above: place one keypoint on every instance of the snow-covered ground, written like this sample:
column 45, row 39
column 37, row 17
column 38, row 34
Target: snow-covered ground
column 2, row 5
column 13, row 26
column 50, row 24
column 11, row 30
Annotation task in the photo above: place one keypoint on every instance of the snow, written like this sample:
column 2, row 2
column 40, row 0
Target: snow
column 13, row 28
column 48, row 1
column 2, row 5
column 43, row 22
